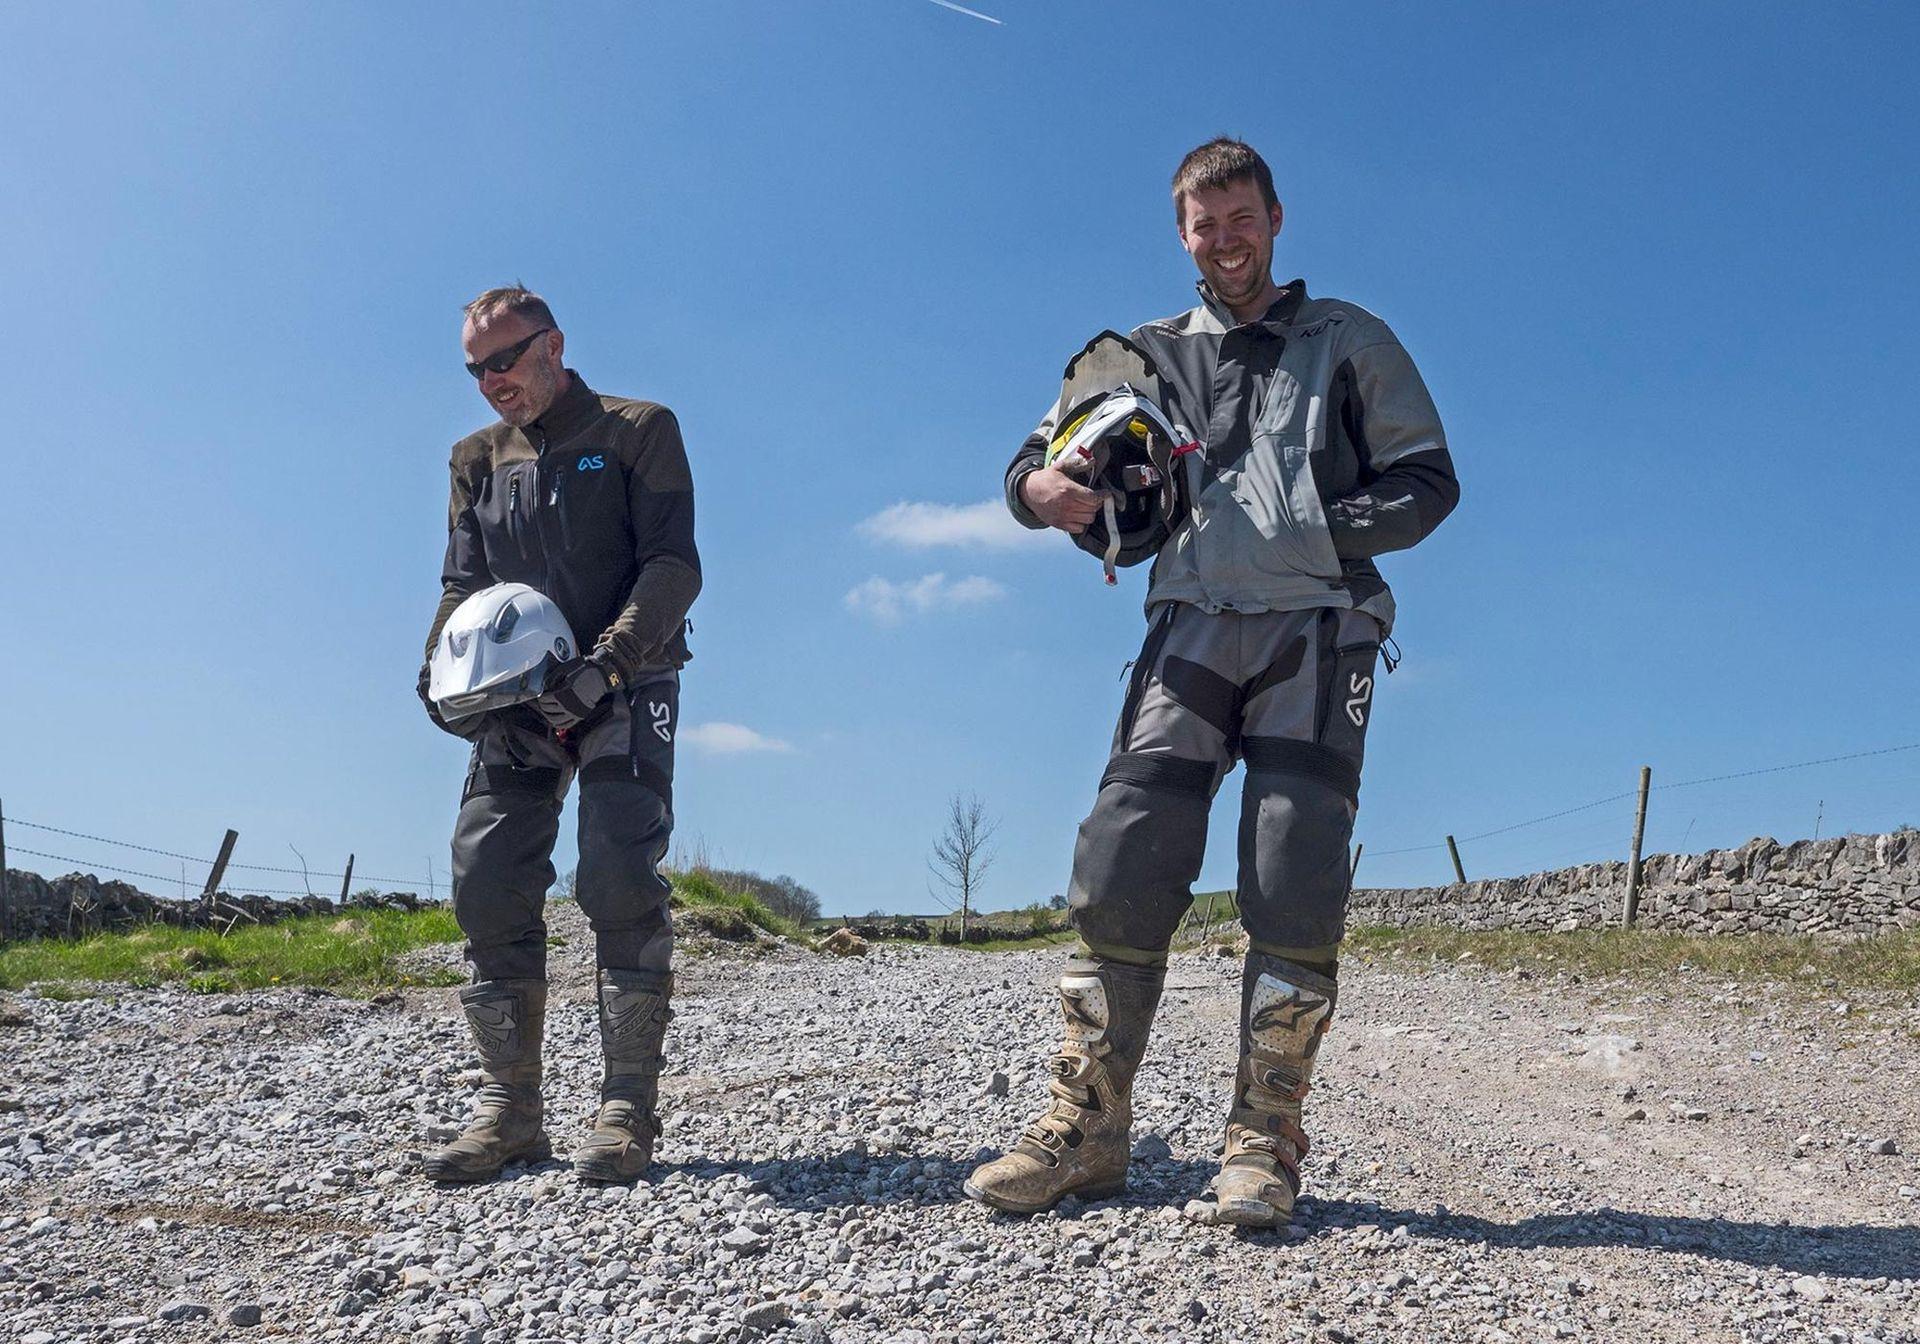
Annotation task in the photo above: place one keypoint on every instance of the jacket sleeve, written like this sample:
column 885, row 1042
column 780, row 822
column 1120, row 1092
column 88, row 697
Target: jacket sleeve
column 464, row 572
column 1031, row 457
column 660, row 507
column 1406, row 473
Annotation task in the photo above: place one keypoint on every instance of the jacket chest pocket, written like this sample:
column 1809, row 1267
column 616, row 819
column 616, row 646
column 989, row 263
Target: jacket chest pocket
column 508, row 523
column 587, row 497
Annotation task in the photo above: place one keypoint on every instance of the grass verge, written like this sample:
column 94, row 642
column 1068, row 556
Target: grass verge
column 724, row 913
column 1889, row 961
column 1046, row 939
column 354, row 951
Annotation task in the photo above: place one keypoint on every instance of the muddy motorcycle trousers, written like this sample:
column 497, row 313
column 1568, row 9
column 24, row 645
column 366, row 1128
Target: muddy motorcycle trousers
column 1287, row 693
column 510, row 817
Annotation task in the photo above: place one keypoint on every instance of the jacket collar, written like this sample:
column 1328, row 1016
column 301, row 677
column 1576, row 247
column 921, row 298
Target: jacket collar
column 1279, row 314
column 572, row 411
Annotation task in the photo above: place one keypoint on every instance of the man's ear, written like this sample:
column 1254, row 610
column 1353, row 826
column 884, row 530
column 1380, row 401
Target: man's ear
column 559, row 346
column 1274, row 214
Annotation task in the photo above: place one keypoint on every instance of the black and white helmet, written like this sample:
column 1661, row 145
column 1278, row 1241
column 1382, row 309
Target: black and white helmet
column 1114, row 435
column 496, row 650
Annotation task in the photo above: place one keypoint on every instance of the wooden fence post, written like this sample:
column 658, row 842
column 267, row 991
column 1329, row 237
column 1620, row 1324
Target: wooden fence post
column 1357, row 851
column 1207, row 926
column 1459, row 873
column 346, row 878
column 219, row 868
column 1639, row 833
column 6, row 897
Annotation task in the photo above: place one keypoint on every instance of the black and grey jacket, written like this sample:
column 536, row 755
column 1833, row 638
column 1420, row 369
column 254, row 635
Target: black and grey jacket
column 592, row 504
column 1320, row 450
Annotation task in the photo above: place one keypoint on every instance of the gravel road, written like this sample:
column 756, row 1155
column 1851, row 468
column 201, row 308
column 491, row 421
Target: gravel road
column 1495, row 1158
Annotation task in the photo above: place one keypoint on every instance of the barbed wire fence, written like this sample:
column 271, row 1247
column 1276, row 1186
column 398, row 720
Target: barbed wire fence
column 1641, row 796
column 210, row 886
column 218, row 867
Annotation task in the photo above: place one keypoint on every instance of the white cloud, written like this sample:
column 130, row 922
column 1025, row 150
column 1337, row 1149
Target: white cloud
column 731, row 739
column 886, row 601
column 921, row 525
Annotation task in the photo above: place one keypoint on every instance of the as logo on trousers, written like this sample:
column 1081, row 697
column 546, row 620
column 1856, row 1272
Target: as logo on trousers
column 662, row 720
column 1362, row 688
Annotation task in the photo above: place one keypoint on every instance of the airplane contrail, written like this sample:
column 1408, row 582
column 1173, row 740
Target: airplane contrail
column 970, row 13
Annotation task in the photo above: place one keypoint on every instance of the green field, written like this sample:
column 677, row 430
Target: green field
column 1890, row 961
column 990, row 931
column 353, row 952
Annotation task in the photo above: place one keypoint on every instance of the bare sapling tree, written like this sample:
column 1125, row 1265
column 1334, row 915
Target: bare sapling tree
column 963, row 853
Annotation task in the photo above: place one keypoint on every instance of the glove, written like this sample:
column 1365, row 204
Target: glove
column 574, row 690
column 467, row 729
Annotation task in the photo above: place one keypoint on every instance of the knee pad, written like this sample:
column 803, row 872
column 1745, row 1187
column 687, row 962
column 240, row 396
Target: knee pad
column 502, row 868
column 1139, row 851
column 1294, row 871
column 624, row 830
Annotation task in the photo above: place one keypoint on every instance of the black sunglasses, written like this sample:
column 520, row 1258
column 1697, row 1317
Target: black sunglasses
column 502, row 360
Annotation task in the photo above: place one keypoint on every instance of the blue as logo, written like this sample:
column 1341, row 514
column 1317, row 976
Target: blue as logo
column 593, row 463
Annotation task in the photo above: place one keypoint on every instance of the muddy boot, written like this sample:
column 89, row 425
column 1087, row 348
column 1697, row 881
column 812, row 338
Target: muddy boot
column 507, row 1018
column 633, row 1026
column 1080, row 1145
column 1284, row 1011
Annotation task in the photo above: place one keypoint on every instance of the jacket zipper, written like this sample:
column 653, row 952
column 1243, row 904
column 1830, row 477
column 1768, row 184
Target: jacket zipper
column 559, row 508
column 539, row 524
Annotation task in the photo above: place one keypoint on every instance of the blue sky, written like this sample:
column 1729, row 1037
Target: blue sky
column 1655, row 264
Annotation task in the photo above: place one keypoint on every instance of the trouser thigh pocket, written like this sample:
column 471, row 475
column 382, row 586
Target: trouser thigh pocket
column 1349, row 654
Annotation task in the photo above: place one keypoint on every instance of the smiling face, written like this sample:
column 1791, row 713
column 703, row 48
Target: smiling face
column 523, row 393
column 1229, row 233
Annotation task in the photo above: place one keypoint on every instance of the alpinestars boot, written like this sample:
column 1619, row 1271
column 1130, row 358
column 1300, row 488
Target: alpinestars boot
column 1080, row 1145
column 1284, row 1011
column 633, row 1029
column 507, row 1018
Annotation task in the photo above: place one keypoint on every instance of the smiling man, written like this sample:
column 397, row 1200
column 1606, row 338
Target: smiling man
column 1319, row 449
column 588, row 499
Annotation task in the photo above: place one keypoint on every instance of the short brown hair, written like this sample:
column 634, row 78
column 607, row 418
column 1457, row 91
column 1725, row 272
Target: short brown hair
column 512, row 300
column 1219, row 163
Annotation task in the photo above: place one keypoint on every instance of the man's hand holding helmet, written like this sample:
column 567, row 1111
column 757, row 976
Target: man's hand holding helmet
column 1059, row 501
column 574, row 690
column 467, row 728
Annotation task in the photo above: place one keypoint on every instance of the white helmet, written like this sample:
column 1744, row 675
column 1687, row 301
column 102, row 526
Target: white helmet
column 496, row 650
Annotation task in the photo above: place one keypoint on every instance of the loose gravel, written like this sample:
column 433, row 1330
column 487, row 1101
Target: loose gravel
column 1496, row 1158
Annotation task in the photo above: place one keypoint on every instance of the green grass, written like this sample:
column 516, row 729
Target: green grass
column 353, row 951
column 1890, row 961
column 1046, row 939
column 705, row 904
column 1029, row 926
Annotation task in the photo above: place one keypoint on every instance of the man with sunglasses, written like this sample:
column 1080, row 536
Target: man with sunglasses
column 588, row 499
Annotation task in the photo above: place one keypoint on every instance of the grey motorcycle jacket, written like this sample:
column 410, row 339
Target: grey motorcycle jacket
column 1320, row 449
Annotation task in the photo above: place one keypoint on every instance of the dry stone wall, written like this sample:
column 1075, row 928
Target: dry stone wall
column 1853, row 885
column 80, row 903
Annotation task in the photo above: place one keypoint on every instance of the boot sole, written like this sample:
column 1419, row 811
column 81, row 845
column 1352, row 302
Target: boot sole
column 539, row 1151
column 1100, row 1190
column 606, row 1174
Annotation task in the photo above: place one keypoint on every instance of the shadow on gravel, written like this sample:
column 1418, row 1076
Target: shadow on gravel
column 1848, row 1251
column 915, row 1179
